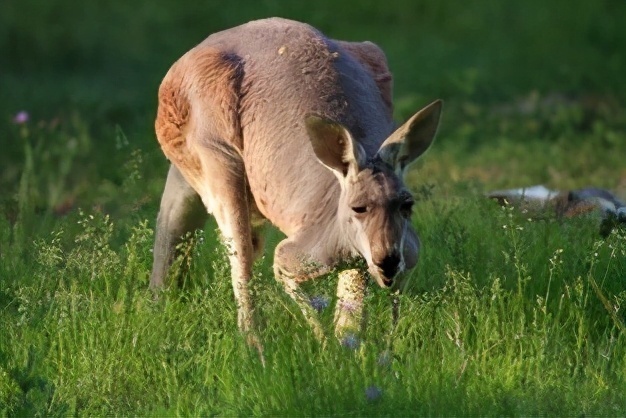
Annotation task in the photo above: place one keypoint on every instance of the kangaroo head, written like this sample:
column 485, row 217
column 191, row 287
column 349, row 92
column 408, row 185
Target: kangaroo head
column 375, row 207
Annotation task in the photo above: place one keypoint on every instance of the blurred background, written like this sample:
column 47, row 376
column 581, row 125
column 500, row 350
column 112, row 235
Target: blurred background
column 517, row 78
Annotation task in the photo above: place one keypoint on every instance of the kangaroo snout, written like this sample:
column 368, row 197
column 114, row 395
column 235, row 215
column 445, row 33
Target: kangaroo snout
column 390, row 266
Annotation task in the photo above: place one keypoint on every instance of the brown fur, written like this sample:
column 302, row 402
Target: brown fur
column 211, row 80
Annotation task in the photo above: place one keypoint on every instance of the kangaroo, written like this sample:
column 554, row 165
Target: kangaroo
column 273, row 121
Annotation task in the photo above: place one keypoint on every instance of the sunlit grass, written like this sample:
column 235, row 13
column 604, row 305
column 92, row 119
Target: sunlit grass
column 506, row 316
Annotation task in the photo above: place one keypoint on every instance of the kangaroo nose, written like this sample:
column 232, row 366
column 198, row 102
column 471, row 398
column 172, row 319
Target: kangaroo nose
column 389, row 266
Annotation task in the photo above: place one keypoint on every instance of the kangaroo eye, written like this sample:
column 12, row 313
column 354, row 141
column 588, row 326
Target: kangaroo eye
column 359, row 209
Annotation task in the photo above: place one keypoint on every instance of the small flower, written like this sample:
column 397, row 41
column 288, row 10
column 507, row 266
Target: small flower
column 351, row 341
column 373, row 393
column 319, row 303
column 348, row 306
column 21, row 117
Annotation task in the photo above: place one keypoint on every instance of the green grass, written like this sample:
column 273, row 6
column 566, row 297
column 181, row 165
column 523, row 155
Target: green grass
column 506, row 315
column 499, row 327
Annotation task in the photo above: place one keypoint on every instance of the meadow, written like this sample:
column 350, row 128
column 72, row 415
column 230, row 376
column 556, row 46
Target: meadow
column 507, row 314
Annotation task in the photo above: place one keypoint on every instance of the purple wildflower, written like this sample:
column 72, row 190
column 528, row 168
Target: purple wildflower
column 21, row 117
column 373, row 393
column 348, row 306
column 319, row 303
column 351, row 341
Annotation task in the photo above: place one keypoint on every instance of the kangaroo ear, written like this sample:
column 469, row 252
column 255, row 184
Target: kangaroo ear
column 334, row 146
column 413, row 138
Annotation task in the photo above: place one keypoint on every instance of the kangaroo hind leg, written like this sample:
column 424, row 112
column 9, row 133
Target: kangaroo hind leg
column 225, row 193
column 198, row 129
column 181, row 212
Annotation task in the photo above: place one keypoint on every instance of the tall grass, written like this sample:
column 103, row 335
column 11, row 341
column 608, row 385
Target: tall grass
column 524, row 322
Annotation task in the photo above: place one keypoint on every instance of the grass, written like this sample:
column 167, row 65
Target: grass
column 501, row 328
column 506, row 315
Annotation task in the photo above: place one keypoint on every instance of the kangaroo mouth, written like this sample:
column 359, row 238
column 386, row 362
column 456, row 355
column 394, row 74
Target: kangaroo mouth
column 380, row 277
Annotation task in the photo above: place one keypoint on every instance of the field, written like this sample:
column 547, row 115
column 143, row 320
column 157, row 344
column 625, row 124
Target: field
column 508, row 314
